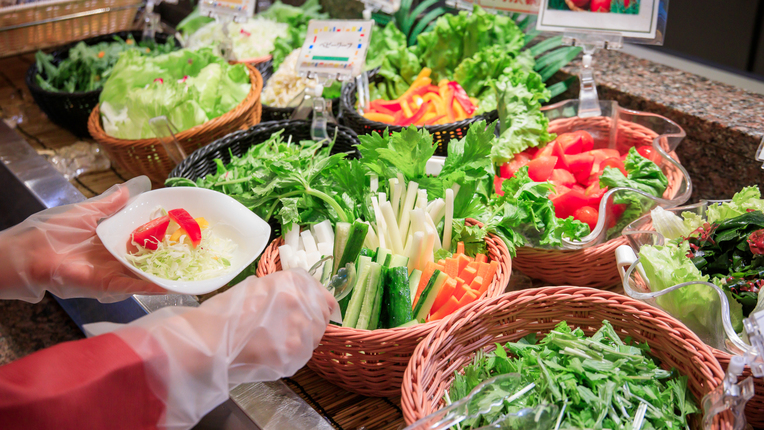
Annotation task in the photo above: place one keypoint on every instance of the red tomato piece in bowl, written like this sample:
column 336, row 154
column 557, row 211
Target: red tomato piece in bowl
column 541, row 168
column 150, row 234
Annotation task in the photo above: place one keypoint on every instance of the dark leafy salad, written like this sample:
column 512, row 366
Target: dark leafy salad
column 599, row 382
column 88, row 66
column 726, row 248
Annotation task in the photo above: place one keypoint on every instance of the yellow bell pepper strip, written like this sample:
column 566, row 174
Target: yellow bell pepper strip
column 419, row 82
column 202, row 222
column 459, row 113
column 425, row 73
column 406, row 110
column 435, row 120
column 448, row 98
column 379, row 117
column 418, row 101
column 461, row 96
column 437, row 101
column 442, row 82
column 417, row 116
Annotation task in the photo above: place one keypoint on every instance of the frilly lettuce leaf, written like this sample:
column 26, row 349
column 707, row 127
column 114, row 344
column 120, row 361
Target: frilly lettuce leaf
column 747, row 198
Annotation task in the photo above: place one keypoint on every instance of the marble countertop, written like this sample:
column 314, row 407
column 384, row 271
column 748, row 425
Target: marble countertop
column 723, row 133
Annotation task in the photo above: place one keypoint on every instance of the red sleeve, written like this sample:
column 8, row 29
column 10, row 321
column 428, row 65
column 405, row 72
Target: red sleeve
column 97, row 383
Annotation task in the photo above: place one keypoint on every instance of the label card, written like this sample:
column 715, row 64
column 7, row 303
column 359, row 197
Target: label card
column 520, row 6
column 387, row 6
column 335, row 48
column 637, row 19
column 239, row 10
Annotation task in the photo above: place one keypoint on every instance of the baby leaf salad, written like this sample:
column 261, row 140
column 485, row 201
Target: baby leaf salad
column 599, row 382
column 176, row 246
column 725, row 248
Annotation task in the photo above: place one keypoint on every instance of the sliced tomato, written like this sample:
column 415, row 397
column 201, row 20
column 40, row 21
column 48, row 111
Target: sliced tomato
column 580, row 165
column 567, row 203
column 560, row 154
column 497, row 181
column 541, row 168
column 150, row 234
column 614, row 213
column 604, row 153
column 587, row 215
column 615, row 163
column 578, row 188
column 545, row 151
column 508, row 169
column 562, row 177
column 649, row 152
column 187, row 223
column 531, row 152
column 570, row 143
column 558, row 191
column 587, row 141
column 595, row 193
column 594, row 178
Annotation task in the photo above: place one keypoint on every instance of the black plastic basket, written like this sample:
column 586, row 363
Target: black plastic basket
column 71, row 110
column 202, row 162
column 271, row 113
column 441, row 134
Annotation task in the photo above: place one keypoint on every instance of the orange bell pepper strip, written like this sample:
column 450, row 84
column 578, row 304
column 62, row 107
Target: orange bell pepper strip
column 425, row 73
column 417, row 116
column 448, row 97
column 459, row 113
column 406, row 110
column 437, row 101
column 379, row 117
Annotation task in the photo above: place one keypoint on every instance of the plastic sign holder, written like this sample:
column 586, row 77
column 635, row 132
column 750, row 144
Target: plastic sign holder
column 226, row 12
column 385, row 6
column 606, row 27
column 510, row 6
column 460, row 4
column 332, row 50
column 165, row 132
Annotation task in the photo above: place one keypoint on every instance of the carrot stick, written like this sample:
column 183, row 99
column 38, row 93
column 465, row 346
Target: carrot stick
column 461, row 287
column 460, row 248
column 487, row 270
column 467, row 298
column 481, row 258
column 468, row 274
column 447, row 309
column 463, row 262
column 476, row 284
column 445, row 293
column 429, row 268
column 452, row 267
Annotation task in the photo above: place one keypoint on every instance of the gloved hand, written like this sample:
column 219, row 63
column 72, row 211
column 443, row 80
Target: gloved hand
column 260, row 330
column 57, row 250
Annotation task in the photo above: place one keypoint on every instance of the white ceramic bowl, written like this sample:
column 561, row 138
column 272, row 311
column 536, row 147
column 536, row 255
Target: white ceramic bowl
column 229, row 219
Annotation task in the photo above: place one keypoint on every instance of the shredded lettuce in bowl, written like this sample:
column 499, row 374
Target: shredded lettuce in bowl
column 252, row 39
column 181, row 262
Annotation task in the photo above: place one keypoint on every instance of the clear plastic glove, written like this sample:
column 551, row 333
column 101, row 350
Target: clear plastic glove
column 57, row 250
column 262, row 329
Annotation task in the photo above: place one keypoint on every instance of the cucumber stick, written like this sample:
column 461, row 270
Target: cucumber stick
column 353, row 245
column 399, row 261
column 369, row 296
column 414, row 278
column 376, row 310
column 397, row 298
column 382, row 254
column 350, row 317
column 366, row 252
column 429, row 294
column 341, row 233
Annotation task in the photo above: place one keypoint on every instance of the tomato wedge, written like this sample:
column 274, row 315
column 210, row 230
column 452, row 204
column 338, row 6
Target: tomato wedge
column 649, row 153
column 614, row 163
column 187, row 223
column 497, row 181
column 508, row 169
column 540, row 168
column 566, row 204
column 587, row 141
column 570, row 143
column 150, row 234
column 562, row 177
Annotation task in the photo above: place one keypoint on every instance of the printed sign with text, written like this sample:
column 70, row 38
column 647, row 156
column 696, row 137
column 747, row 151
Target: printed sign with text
column 629, row 18
column 520, row 6
column 235, row 8
column 336, row 48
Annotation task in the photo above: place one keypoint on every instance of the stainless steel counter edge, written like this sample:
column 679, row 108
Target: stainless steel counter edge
column 268, row 405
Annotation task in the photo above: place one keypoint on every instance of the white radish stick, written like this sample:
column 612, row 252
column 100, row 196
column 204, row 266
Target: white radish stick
column 456, row 188
column 421, row 199
column 308, row 242
column 449, row 219
column 408, row 204
column 401, row 195
column 382, row 198
column 437, row 245
column 382, row 236
column 395, row 195
column 302, row 259
column 374, row 183
column 285, row 253
column 429, row 244
column 438, row 211
column 417, row 220
column 292, row 237
column 325, row 249
column 415, row 253
column 407, row 249
column 323, row 232
column 371, row 240
column 392, row 228
column 430, row 205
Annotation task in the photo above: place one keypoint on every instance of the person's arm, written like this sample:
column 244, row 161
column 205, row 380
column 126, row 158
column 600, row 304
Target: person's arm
column 97, row 383
column 171, row 367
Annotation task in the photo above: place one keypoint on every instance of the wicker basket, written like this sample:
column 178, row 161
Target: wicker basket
column 33, row 26
column 441, row 134
column 595, row 266
column 202, row 161
column 148, row 156
column 383, row 354
column 478, row 326
column 72, row 110
column 637, row 234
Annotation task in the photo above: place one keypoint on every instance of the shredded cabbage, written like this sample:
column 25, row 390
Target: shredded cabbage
column 252, row 39
column 181, row 262
column 285, row 85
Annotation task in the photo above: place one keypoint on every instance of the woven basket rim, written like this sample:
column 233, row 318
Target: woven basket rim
column 256, row 86
column 34, row 5
column 431, row 344
column 32, row 71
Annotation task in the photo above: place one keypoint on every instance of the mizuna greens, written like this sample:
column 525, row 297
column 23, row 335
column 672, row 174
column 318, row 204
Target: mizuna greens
column 599, row 382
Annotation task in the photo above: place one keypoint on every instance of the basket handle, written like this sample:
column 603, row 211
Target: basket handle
column 164, row 131
column 624, row 258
